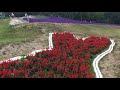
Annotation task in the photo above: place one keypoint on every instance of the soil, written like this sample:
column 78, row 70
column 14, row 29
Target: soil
column 13, row 50
column 110, row 64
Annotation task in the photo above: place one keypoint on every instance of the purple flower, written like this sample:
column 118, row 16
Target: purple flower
column 64, row 20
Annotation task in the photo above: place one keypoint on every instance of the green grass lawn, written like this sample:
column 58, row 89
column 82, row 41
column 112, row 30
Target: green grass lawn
column 99, row 30
column 10, row 34
column 40, row 16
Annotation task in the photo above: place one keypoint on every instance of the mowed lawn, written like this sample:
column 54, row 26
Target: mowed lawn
column 10, row 34
column 90, row 29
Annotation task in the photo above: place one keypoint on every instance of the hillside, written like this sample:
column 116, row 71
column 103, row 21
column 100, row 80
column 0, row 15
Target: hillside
column 20, row 40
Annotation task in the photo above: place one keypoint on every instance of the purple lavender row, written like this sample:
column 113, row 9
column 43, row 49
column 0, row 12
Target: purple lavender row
column 63, row 20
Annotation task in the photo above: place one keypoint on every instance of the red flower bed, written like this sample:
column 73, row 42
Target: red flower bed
column 70, row 58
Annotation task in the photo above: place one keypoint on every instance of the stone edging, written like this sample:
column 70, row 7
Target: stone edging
column 33, row 53
column 99, row 57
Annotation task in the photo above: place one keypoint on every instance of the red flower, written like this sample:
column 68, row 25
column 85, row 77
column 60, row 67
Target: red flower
column 69, row 57
column 26, row 76
column 87, row 55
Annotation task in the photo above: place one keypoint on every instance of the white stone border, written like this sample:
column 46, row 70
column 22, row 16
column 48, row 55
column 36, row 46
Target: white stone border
column 33, row 53
column 98, row 58
column 95, row 61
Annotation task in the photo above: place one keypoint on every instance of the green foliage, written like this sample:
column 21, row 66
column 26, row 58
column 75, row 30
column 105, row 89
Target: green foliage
column 22, row 57
column 4, row 53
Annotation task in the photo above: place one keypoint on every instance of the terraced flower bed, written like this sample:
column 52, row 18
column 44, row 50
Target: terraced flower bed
column 69, row 58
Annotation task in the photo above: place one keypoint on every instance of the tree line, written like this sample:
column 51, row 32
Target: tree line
column 102, row 17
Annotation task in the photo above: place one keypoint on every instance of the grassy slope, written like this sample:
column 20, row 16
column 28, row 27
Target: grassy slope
column 99, row 30
column 19, row 34
column 13, row 35
column 40, row 16
column 10, row 34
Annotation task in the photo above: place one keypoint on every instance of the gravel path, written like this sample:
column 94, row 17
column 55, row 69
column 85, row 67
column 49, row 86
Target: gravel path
column 17, row 21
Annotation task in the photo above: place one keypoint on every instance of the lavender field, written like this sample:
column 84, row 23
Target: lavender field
column 64, row 20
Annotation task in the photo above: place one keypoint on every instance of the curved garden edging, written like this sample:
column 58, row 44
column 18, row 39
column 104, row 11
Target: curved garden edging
column 95, row 61
column 33, row 53
column 99, row 57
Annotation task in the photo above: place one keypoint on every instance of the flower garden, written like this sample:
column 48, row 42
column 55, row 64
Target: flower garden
column 69, row 58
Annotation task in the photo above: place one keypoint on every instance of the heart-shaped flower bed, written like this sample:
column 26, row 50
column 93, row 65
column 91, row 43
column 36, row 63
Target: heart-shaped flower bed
column 69, row 58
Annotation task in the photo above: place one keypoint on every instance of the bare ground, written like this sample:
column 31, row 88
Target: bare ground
column 13, row 50
column 110, row 64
